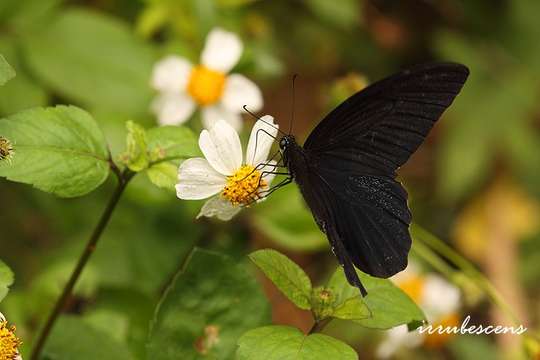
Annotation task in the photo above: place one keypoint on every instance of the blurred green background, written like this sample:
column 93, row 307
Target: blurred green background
column 475, row 183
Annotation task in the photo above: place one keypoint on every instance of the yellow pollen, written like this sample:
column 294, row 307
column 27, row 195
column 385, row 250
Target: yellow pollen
column 244, row 186
column 205, row 85
column 6, row 149
column 9, row 343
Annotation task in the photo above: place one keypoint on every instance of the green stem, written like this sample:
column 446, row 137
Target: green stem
column 429, row 240
column 123, row 180
column 435, row 261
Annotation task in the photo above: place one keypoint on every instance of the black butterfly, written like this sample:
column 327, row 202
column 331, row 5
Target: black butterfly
column 346, row 169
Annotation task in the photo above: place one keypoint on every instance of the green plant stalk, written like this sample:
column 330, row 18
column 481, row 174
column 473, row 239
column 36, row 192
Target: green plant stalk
column 431, row 241
column 123, row 180
column 429, row 256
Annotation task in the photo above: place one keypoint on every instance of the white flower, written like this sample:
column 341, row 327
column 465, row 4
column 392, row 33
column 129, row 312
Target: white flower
column 440, row 301
column 182, row 87
column 397, row 338
column 9, row 343
column 224, row 176
column 439, row 298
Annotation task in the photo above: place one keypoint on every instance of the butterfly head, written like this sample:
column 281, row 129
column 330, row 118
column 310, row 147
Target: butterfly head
column 286, row 141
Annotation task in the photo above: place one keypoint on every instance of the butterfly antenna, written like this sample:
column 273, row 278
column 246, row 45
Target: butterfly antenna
column 293, row 103
column 264, row 121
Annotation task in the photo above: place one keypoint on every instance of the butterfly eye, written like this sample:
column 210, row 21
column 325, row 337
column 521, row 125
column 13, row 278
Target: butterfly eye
column 283, row 143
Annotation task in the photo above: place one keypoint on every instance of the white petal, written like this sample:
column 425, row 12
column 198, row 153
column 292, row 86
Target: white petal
column 219, row 207
column 222, row 50
column 173, row 109
column 439, row 297
column 2, row 317
column 240, row 91
column 396, row 338
column 171, row 74
column 212, row 114
column 221, row 147
column 260, row 141
column 198, row 180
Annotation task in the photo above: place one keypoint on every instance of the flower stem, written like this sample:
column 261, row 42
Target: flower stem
column 319, row 325
column 123, row 180
column 466, row 267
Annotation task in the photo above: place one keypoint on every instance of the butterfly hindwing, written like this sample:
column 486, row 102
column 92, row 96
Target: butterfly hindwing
column 370, row 217
column 372, row 222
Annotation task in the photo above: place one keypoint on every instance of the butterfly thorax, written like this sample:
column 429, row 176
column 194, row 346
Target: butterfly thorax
column 293, row 155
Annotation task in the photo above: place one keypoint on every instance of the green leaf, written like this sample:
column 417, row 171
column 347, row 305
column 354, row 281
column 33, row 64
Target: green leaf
column 340, row 302
column 49, row 283
column 6, row 279
column 480, row 126
column 21, row 92
column 284, row 342
column 470, row 347
column 6, row 71
column 72, row 338
column 59, row 150
column 165, row 145
column 163, row 175
column 100, row 63
column 130, row 313
column 285, row 220
column 206, row 309
column 286, row 275
column 388, row 306
column 234, row 3
column 28, row 15
column 152, row 18
column 136, row 155
column 171, row 143
column 346, row 15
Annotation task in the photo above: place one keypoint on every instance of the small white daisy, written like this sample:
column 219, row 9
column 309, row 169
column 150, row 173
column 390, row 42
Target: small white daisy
column 9, row 342
column 224, row 176
column 440, row 301
column 182, row 87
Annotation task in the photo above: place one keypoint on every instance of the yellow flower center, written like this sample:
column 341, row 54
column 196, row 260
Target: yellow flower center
column 6, row 149
column 436, row 340
column 413, row 286
column 205, row 85
column 9, row 343
column 244, row 186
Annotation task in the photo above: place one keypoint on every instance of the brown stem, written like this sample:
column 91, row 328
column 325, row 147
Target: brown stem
column 83, row 260
column 318, row 326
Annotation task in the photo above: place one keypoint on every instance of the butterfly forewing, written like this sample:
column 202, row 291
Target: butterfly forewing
column 347, row 168
column 376, row 130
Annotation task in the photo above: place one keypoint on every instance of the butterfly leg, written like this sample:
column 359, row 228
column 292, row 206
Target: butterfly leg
column 281, row 184
column 262, row 165
column 272, row 189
